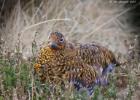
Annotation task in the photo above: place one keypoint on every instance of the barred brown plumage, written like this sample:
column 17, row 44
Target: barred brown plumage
column 84, row 65
column 96, row 55
column 58, row 62
column 102, row 59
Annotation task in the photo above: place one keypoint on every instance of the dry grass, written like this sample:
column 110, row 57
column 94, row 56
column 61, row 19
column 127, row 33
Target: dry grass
column 83, row 21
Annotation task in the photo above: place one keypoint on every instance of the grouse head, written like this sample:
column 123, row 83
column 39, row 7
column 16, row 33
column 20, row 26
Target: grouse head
column 56, row 41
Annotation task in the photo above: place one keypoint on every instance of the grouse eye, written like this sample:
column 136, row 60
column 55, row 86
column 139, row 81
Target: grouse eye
column 62, row 40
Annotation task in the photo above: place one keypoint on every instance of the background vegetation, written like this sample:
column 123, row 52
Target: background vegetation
column 25, row 26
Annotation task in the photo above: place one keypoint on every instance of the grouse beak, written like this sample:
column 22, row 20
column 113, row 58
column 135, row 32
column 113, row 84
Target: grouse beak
column 53, row 45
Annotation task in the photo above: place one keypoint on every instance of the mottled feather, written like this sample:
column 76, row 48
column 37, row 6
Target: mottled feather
column 98, row 56
column 58, row 62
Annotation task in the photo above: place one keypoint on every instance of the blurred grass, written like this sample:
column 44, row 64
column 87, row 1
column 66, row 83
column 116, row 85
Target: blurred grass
column 88, row 23
column 19, row 82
